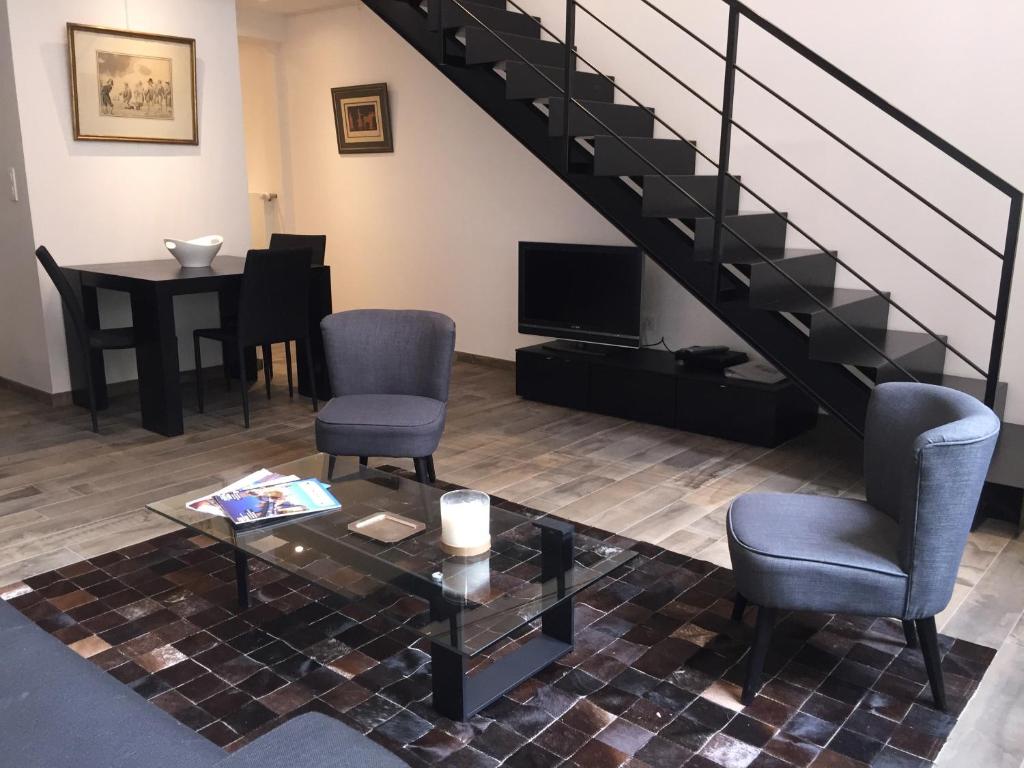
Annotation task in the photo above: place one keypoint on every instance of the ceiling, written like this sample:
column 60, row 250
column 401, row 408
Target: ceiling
column 292, row 6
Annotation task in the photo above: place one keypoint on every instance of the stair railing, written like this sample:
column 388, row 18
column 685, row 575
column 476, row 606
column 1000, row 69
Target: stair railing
column 736, row 10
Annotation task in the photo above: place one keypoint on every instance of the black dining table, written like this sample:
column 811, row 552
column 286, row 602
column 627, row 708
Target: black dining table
column 152, row 286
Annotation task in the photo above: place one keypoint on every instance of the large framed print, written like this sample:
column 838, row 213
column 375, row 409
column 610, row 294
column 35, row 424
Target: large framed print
column 132, row 86
column 362, row 117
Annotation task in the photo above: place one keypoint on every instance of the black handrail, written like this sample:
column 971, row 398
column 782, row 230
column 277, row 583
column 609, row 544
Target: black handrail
column 561, row 87
column 737, row 8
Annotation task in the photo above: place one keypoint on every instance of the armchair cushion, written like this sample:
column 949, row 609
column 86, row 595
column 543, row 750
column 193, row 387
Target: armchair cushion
column 816, row 553
column 380, row 425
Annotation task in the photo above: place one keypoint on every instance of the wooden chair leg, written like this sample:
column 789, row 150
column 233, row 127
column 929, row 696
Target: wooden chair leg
column 288, row 365
column 364, row 461
column 268, row 366
column 430, row 470
column 422, row 474
column 243, row 384
column 739, row 605
column 331, row 461
column 90, row 386
column 929, row 638
column 910, row 633
column 758, row 653
column 308, row 347
column 197, row 344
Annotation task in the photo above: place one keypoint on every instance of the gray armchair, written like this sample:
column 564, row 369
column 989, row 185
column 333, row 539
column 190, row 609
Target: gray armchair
column 926, row 454
column 389, row 373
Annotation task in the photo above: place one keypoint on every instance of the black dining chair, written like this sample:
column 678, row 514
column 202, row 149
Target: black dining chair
column 273, row 307
column 317, row 243
column 88, row 339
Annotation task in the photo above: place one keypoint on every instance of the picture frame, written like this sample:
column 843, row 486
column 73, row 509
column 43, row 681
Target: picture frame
column 362, row 119
column 132, row 86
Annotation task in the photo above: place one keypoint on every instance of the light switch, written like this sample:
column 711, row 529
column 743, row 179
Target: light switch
column 14, row 185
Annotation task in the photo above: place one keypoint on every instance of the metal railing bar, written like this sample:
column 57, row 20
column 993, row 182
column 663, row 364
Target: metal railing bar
column 866, row 93
column 678, row 24
column 1003, row 301
column 864, row 220
column 891, row 177
column 733, row 232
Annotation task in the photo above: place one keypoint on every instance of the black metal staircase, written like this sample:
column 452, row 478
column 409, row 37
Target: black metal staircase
column 834, row 342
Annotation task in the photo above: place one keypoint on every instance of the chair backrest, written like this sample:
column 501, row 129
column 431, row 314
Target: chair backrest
column 389, row 352
column 318, row 243
column 927, row 451
column 72, row 304
column 273, row 304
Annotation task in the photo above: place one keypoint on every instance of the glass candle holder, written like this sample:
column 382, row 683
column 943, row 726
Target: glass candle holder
column 465, row 523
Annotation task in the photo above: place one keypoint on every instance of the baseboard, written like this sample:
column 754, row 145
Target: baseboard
column 115, row 389
column 36, row 394
column 492, row 362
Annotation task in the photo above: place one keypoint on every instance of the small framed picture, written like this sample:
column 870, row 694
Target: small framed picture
column 132, row 86
column 362, row 118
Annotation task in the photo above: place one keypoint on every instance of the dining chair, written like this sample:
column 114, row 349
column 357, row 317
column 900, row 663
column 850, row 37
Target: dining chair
column 318, row 244
column 273, row 307
column 389, row 372
column 88, row 339
column 926, row 455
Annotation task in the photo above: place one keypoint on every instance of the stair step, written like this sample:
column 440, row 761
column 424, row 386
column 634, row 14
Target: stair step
column 806, row 306
column 976, row 388
column 672, row 156
column 623, row 119
column 811, row 268
column 918, row 353
column 484, row 48
column 661, row 198
column 498, row 19
column 522, row 82
column 765, row 231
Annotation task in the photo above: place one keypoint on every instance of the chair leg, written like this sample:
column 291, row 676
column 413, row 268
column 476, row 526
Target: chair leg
column 331, row 461
column 197, row 343
column 430, row 469
column 288, row 365
column 739, row 605
column 244, row 386
column 910, row 633
column 90, row 386
column 929, row 638
column 268, row 370
column 422, row 474
column 308, row 346
column 758, row 653
column 364, row 461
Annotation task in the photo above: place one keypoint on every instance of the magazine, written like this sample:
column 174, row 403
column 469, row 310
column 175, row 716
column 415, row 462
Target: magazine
column 209, row 505
column 272, row 503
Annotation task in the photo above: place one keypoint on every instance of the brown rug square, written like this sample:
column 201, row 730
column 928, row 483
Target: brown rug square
column 653, row 682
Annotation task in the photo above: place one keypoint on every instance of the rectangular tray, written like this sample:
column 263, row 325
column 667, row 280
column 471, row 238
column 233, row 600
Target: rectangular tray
column 386, row 527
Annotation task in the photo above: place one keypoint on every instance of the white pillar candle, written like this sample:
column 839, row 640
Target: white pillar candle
column 465, row 522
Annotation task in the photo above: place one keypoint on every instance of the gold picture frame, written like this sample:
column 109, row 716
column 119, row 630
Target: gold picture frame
column 362, row 118
column 132, row 86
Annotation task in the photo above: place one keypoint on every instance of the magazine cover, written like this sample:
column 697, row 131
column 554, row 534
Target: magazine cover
column 208, row 504
column 273, row 502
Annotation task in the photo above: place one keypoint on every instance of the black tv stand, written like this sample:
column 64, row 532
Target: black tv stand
column 579, row 348
column 649, row 385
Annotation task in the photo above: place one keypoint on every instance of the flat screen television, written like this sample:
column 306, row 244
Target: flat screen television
column 589, row 293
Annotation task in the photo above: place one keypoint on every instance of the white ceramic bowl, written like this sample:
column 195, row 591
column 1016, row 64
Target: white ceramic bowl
column 195, row 253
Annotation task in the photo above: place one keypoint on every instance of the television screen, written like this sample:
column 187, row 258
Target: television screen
column 581, row 292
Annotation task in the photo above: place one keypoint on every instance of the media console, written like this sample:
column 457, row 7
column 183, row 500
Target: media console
column 649, row 385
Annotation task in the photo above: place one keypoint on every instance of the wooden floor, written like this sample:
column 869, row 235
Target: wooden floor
column 67, row 494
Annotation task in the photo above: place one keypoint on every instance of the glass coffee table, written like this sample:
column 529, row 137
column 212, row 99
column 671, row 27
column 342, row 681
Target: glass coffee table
column 537, row 564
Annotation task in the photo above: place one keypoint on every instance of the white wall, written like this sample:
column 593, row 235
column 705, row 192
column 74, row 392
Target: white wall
column 105, row 202
column 436, row 224
column 22, row 357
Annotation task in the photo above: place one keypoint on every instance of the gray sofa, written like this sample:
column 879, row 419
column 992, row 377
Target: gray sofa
column 58, row 710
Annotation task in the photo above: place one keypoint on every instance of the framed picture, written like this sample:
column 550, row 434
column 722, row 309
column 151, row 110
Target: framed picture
column 131, row 86
column 362, row 118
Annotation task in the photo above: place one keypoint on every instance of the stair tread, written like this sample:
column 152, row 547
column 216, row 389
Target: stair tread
column 972, row 386
column 895, row 344
column 492, row 16
column 802, row 304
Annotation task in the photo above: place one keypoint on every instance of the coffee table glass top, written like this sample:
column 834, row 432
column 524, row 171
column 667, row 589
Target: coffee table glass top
column 465, row 605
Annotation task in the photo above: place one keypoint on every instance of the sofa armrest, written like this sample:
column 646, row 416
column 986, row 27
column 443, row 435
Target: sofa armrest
column 312, row 741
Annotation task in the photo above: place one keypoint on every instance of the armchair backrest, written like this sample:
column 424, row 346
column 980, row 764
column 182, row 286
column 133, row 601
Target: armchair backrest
column 389, row 352
column 927, row 451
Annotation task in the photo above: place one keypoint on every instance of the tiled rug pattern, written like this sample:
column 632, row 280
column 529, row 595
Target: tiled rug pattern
column 653, row 682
